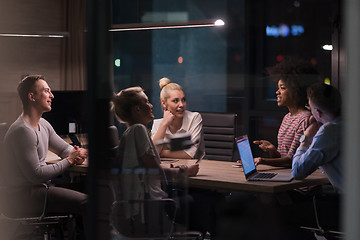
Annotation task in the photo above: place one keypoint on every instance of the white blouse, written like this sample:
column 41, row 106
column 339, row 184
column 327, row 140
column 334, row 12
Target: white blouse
column 192, row 124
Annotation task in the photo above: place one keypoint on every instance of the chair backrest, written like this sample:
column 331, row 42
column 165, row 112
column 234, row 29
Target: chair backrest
column 219, row 135
column 114, row 141
column 114, row 136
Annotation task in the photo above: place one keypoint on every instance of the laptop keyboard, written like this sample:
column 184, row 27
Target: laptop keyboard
column 265, row 175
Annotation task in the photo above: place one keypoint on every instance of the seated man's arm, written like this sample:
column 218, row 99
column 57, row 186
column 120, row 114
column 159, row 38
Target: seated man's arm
column 31, row 162
column 305, row 162
column 309, row 156
column 59, row 146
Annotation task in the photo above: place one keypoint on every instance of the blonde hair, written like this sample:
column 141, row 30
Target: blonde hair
column 124, row 101
column 166, row 85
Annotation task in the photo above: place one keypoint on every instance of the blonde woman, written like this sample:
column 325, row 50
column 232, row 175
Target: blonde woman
column 136, row 150
column 177, row 119
column 132, row 107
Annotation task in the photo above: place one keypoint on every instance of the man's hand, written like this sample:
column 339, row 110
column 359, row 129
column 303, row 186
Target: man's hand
column 77, row 156
column 311, row 131
column 313, row 128
column 73, row 155
column 83, row 154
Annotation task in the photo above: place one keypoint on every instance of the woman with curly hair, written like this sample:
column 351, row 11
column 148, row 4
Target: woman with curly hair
column 293, row 77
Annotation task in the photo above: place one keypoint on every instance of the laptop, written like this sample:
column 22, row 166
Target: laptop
column 247, row 161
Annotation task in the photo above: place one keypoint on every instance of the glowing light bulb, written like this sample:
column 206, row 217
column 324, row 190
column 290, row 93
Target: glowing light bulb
column 180, row 59
column 117, row 62
column 327, row 47
column 327, row 81
column 219, row 22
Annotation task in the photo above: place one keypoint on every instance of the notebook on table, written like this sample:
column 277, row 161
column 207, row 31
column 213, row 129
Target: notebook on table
column 249, row 167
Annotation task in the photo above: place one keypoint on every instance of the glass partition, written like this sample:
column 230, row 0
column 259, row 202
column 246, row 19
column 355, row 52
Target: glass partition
column 222, row 69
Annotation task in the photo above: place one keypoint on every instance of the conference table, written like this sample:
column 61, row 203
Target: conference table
column 229, row 176
column 222, row 175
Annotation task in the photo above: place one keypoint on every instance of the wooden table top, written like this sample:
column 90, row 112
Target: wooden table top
column 222, row 175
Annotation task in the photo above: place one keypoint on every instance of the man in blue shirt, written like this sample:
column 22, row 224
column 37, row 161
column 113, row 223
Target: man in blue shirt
column 320, row 144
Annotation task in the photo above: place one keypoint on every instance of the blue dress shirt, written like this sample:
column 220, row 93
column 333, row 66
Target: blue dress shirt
column 324, row 153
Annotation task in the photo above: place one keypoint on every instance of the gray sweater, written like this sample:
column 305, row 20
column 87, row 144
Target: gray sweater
column 25, row 150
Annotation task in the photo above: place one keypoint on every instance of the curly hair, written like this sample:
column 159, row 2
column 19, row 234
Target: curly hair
column 297, row 74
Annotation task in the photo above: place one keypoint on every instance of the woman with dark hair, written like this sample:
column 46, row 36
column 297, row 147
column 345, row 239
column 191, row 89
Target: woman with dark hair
column 293, row 77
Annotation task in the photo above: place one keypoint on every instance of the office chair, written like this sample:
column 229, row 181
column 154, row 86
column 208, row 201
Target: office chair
column 145, row 218
column 219, row 135
column 42, row 225
column 327, row 216
column 114, row 137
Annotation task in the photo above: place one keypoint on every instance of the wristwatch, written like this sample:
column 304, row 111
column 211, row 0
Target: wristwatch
column 303, row 138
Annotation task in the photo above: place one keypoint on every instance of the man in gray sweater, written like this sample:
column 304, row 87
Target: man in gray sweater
column 24, row 173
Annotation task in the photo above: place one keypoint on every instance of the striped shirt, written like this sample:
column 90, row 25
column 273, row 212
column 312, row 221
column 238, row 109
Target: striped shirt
column 291, row 129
